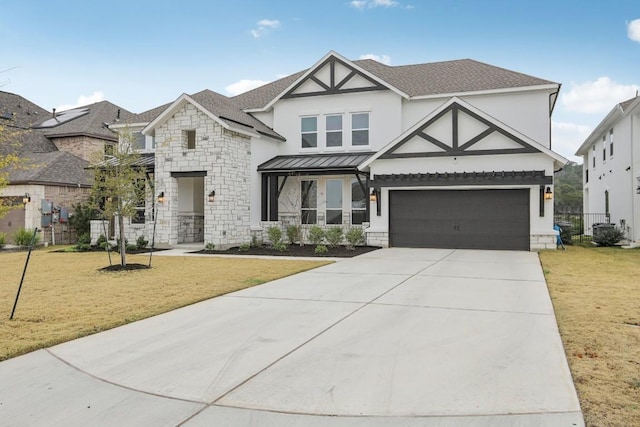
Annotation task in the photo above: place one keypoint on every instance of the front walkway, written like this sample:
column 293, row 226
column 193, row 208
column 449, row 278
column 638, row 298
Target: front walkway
column 395, row 337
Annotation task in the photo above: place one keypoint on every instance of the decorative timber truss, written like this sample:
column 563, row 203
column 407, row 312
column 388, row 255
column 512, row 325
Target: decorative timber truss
column 333, row 76
column 457, row 131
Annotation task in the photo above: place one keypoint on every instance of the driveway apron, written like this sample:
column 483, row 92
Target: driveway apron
column 395, row 337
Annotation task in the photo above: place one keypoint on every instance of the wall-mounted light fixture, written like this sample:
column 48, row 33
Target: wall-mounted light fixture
column 26, row 199
column 212, row 196
column 373, row 197
column 548, row 194
column 161, row 197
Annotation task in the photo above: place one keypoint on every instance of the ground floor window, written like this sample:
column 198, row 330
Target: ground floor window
column 359, row 201
column 309, row 198
column 334, row 201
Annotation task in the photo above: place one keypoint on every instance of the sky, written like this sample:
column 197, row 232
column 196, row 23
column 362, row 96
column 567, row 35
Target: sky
column 140, row 54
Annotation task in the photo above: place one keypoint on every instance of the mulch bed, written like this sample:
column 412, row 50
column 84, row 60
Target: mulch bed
column 295, row 250
column 128, row 267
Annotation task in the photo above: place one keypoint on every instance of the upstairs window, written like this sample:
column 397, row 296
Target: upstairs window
column 334, row 131
column 610, row 143
column 360, row 129
column 604, row 148
column 109, row 150
column 309, row 131
column 190, row 139
column 138, row 141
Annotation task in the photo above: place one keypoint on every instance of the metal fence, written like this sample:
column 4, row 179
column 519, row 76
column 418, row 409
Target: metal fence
column 579, row 227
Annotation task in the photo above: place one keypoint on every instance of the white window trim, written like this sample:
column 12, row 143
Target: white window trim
column 317, row 132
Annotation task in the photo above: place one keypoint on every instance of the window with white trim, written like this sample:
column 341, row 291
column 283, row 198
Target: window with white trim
column 333, row 203
column 309, row 132
column 190, row 139
column 610, row 142
column 309, row 199
column 333, row 128
column 360, row 129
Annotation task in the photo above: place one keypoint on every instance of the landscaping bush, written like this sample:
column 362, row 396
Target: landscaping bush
column 321, row 249
column 608, row 237
column 293, row 233
column 355, row 236
column 280, row 246
column 244, row 247
column 141, row 243
column 209, row 246
column 316, row 235
column 3, row 240
column 275, row 234
column 102, row 242
column 131, row 247
column 255, row 243
column 22, row 237
column 81, row 218
column 334, row 236
column 84, row 243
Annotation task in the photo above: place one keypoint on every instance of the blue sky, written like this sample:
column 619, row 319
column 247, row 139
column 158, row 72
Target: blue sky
column 141, row 54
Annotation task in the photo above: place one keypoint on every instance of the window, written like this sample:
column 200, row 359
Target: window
column 138, row 217
column 309, row 197
column 309, row 131
column 109, row 149
column 593, row 163
column 359, row 201
column 138, row 141
column 604, row 148
column 334, row 201
column 611, row 143
column 360, row 129
column 606, row 202
column 190, row 137
column 334, row 131
column 586, row 176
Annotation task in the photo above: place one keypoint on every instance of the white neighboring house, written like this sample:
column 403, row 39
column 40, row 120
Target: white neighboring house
column 453, row 154
column 611, row 168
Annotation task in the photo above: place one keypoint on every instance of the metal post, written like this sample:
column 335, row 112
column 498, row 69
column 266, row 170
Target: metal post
column 33, row 239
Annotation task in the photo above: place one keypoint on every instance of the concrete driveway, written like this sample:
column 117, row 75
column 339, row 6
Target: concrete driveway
column 396, row 337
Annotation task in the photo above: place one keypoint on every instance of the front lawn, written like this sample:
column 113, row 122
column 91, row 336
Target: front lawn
column 65, row 296
column 596, row 296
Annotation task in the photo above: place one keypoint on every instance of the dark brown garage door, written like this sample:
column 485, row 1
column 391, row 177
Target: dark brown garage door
column 460, row 219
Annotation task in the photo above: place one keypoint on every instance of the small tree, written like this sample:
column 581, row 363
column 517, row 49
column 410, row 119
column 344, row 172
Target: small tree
column 119, row 186
column 9, row 159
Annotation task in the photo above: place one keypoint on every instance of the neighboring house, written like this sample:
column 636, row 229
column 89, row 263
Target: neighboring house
column 56, row 149
column 611, row 168
column 453, row 154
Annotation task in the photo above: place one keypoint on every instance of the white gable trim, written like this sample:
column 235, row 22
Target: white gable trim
column 489, row 91
column 558, row 159
column 316, row 67
column 181, row 102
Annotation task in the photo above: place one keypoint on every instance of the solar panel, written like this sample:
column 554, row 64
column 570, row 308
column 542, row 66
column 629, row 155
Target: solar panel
column 63, row 117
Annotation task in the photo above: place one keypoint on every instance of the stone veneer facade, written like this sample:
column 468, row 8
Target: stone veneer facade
column 225, row 158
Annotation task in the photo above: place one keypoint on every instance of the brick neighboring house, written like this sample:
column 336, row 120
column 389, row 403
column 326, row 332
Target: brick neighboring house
column 452, row 154
column 56, row 148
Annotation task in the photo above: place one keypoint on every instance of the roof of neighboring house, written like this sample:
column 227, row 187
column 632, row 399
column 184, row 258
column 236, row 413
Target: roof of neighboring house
column 447, row 77
column 18, row 111
column 146, row 160
column 52, row 168
column 309, row 163
column 626, row 104
column 89, row 122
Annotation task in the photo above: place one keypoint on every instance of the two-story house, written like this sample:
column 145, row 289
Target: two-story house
column 611, row 168
column 453, row 154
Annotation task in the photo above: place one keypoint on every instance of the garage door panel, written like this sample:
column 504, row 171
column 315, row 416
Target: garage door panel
column 465, row 219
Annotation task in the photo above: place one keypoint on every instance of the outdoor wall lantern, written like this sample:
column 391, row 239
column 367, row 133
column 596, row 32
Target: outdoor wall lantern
column 548, row 194
column 26, row 199
column 161, row 197
column 638, row 189
column 373, row 197
column 212, row 196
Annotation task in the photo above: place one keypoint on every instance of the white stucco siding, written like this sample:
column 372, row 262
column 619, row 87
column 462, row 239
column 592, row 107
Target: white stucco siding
column 384, row 108
column 527, row 112
column 262, row 149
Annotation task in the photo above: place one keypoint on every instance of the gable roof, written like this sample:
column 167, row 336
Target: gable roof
column 417, row 80
column 16, row 111
column 523, row 143
column 221, row 109
column 617, row 112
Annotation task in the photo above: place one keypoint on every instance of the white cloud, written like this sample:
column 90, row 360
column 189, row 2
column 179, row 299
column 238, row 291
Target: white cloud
column 361, row 4
column 243, row 86
column 566, row 138
column 385, row 59
column 264, row 27
column 633, row 30
column 96, row 96
column 597, row 97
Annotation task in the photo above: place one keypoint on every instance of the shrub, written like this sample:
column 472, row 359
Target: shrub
column 3, row 240
column 244, row 247
column 81, row 218
column 255, row 242
column 334, row 236
column 126, row 244
column 316, row 235
column 141, row 243
column 608, row 236
column 293, row 233
column 102, row 242
column 355, row 236
column 209, row 246
column 131, row 248
column 82, row 247
column 275, row 234
column 22, row 237
column 280, row 246
column 321, row 249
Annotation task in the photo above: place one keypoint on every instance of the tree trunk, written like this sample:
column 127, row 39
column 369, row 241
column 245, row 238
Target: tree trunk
column 123, row 246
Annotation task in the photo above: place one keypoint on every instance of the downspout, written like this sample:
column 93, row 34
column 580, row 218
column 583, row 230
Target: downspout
column 634, row 184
